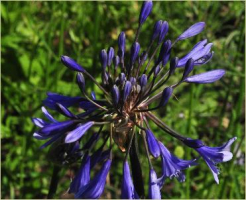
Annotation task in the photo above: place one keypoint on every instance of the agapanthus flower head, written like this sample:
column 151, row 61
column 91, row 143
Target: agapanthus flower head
column 132, row 87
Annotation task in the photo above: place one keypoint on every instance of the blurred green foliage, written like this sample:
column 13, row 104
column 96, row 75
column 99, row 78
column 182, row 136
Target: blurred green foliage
column 36, row 34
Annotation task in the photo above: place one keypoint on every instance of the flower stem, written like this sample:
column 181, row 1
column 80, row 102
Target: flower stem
column 54, row 181
column 188, row 151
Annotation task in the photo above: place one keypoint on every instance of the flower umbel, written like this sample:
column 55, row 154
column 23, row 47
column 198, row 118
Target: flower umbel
column 132, row 85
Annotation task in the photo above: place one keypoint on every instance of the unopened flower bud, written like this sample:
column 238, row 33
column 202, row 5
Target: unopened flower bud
column 163, row 31
column 145, row 11
column 103, row 58
column 110, row 55
column 156, row 30
column 166, row 94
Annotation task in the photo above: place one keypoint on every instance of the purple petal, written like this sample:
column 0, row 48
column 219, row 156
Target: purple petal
column 152, row 144
column 71, row 64
column 54, row 98
column 39, row 122
column 202, row 52
column 203, row 60
column 77, row 133
column 56, row 127
column 154, row 189
column 48, row 115
column 94, row 189
column 207, row 77
column 40, row 137
column 192, row 31
column 127, row 187
column 63, row 110
column 53, row 139
column 226, row 146
column 194, row 51
column 82, row 178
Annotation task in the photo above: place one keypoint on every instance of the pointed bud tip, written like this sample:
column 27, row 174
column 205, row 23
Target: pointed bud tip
column 71, row 64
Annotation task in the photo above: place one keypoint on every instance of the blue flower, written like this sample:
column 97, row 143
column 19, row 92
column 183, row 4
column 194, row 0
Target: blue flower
column 154, row 189
column 77, row 133
column 152, row 143
column 173, row 166
column 94, row 189
column 212, row 155
column 127, row 189
column 82, row 178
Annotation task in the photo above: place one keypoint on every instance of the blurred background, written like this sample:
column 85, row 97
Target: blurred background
column 34, row 36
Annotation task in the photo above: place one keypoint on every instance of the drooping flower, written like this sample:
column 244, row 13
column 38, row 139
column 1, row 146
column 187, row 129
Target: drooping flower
column 94, row 189
column 212, row 155
column 173, row 166
column 82, row 178
column 154, row 188
column 152, row 143
column 130, row 86
column 127, row 188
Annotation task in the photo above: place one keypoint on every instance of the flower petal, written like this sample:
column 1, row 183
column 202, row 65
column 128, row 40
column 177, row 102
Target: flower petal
column 94, row 189
column 56, row 127
column 54, row 98
column 154, row 189
column 192, row 31
column 152, row 144
column 82, row 178
column 78, row 132
column 127, row 187
column 39, row 122
column 206, row 77
column 53, row 139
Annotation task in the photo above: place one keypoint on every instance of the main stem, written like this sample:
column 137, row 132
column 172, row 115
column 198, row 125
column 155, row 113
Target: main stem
column 54, row 181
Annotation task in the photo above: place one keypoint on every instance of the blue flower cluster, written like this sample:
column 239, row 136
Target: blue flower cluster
column 130, row 84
